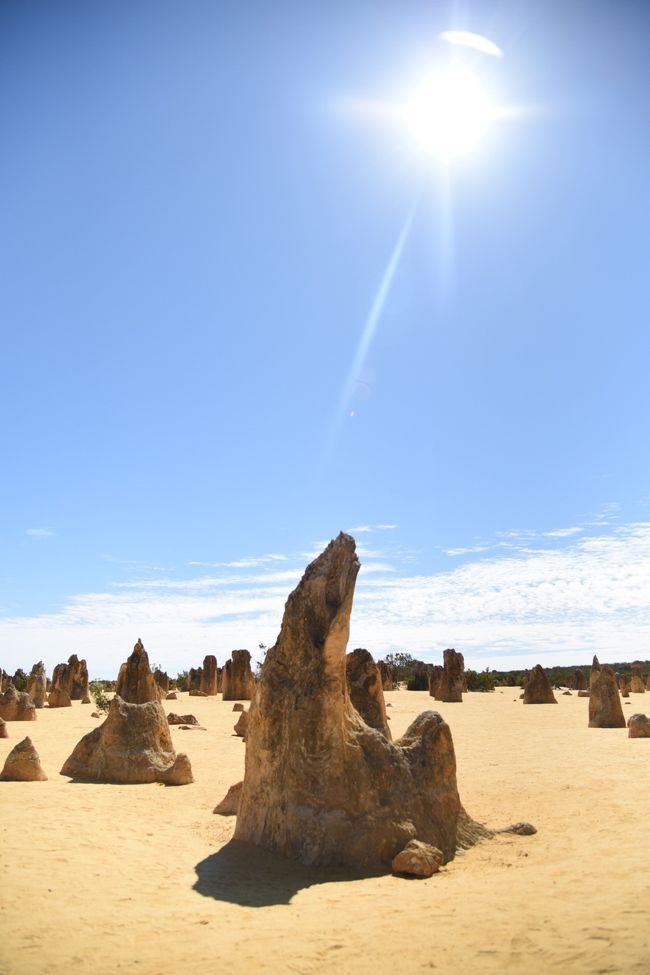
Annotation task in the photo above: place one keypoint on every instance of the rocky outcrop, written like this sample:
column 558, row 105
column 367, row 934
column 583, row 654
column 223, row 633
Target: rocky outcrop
column 23, row 764
column 238, row 707
column 172, row 696
column 419, row 679
column 37, row 685
column 132, row 745
column 16, row 705
column 537, row 689
column 605, row 709
column 181, row 719
column 320, row 785
column 241, row 726
column 194, row 676
column 219, row 680
column 647, row 686
column 230, row 802
column 366, row 691
column 238, row 680
column 208, row 681
column 637, row 684
column 161, row 678
column 435, row 677
column 638, row 726
column 135, row 682
column 386, row 676
column 453, row 677
column 417, row 860
column 69, row 681
column 579, row 681
column 3, row 729
column 78, row 678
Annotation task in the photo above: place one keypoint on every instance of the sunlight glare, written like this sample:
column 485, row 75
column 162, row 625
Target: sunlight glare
column 449, row 114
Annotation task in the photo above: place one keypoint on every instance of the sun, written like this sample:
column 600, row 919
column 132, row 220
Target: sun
column 449, row 113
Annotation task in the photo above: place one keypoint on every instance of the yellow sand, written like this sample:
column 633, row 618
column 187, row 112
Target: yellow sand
column 105, row 878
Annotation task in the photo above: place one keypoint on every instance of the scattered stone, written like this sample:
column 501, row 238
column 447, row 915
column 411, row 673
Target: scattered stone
column 242, row 725
column 16, row 705
column 638, row 726
column 605, row 709
column 209, row 680
column 418, row 860
column 23, row 764
column 172, row 696
column 181, row 719
column 567, row 694
column 537, row 689
column 95, row 714
column 198, row 694
column 521, row 829
column 452, row 681
column 238, row 681
column 583, row 694
column 229, row 805
column 238, row 707
column 320, row 785
column 366, row 691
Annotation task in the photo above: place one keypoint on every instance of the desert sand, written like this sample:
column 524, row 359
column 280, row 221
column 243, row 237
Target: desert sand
column 140, row 878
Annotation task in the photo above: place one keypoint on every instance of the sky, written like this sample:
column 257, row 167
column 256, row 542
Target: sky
column 242, row 310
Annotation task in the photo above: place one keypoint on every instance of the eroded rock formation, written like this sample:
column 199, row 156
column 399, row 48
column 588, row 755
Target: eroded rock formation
column 605, row 709
column 161, row 678
column 579, row 681
column 230, row 802
column 135, row 682
column 241, row 726
column 69, row 683
column 418, row 860
column 637, row 684
column 134, row 743
column 208, row 682
column 366, row 691
column 37, row 685
column 320, row 785
column 194, row 675
column 386, row 676
column 182, row 718
column 452, row 680
column 238, row 681
column 638, row 726
column 16, row 705
column 3, row 729
column 435, row 676
column 23, row 764
column 537, row 689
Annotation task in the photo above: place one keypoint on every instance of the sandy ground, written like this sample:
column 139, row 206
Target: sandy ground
column 106, row 878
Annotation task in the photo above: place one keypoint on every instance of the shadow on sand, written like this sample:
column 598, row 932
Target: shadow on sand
column 243, row 874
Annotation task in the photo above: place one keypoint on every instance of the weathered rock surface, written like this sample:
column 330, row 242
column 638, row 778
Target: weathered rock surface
column 638, row 726
column 69, row 680
column 579, row 681
column 198, row 694
column 637, row 684
column 208, row 681
column 23, row 764
column 59, row 698
column 181, row 719
column 172, row 696
column 366, row 691
column 161, row 678
column 37, row 685
column 135, row 682
column 386, row 676
column 238, row 707
column 132, row 745
column 435, row 677
column 452, row 680
column 230, row 802
column 418, row 860
column 567, row 694
column 537, row 689
column 194, row 676
column 16, row 705
column 605, row 709
column 320, row 785
column 238, row 680
column 3, row 729
column 242, row 725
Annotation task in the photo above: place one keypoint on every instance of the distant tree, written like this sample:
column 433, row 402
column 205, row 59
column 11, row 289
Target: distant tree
column 182, row 681
column 479, row 682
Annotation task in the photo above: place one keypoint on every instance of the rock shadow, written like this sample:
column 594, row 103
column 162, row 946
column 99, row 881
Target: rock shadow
column 243, row 874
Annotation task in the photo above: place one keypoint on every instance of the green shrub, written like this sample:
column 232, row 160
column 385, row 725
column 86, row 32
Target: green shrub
column 99, row 696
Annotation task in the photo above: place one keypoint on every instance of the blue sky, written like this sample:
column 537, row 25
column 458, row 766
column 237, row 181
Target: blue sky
column 197, row 221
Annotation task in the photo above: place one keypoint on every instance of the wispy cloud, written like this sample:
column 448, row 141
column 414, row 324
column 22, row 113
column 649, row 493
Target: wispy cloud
column 40, row 532
column 586, row 594
column 246, row 563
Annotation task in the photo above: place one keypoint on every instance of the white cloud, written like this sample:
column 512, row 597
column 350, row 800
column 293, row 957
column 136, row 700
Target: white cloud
column 39, row 532
column 516, row 607
column 562, row 532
